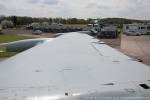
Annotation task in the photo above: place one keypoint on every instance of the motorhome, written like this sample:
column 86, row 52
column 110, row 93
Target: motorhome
column 136, row 29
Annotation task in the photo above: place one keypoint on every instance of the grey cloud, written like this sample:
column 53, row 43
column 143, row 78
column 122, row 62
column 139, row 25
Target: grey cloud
column 2, row 7
column 51, row 2
column 34, row 1
column 138, row 9
column 90, row 5
column 98, row 6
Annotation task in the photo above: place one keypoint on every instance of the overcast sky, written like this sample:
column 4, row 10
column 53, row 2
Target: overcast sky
column 135, row 9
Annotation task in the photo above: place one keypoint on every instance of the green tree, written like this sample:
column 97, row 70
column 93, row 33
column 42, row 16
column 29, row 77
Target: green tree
column 7, row 24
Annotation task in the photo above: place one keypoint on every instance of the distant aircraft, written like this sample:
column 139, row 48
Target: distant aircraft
column 74, row 66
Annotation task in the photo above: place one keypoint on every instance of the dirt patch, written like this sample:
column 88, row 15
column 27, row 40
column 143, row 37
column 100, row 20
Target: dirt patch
column 24, row 32
column 115, row 43
column 137, row 47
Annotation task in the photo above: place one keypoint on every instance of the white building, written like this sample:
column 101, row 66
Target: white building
column 136, row 27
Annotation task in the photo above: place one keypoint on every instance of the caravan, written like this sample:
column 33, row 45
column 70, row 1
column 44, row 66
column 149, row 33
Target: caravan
column 136, row 29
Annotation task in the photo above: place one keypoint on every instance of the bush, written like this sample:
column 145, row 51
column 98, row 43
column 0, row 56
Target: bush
column 35, row 25
column 7, row 24
column 45, row 24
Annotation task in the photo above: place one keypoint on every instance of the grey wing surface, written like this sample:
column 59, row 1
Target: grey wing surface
column 74, row 66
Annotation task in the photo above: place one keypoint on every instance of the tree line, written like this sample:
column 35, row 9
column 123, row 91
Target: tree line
column 18, row 20
column 25, row 20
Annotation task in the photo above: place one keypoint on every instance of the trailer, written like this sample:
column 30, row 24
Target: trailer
column 103, row 30
column 108, row 32
column 136, row 29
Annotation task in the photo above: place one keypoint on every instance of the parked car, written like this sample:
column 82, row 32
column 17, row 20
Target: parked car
column 133, row 33
column 108, row 32
column 93, row 32
column 37, row 32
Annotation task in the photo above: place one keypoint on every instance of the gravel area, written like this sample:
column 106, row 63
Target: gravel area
column 137, row 47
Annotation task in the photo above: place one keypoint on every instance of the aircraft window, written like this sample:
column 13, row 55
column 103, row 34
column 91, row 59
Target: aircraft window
column 144, row 86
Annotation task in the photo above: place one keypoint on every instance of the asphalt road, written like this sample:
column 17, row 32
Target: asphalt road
column 16, row 31
column 26, row 33
column 137, row 47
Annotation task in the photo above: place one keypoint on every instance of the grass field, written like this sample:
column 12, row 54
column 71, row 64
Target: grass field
column 10, row 38
column 7, row 54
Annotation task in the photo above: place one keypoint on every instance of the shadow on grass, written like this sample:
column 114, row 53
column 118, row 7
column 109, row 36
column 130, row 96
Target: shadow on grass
column 7, row 54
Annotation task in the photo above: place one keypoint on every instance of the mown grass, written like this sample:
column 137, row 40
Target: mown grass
column 7, row 54
column 11, row 38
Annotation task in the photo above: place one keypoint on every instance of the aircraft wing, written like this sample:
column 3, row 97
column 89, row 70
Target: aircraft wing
column 74, row 66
